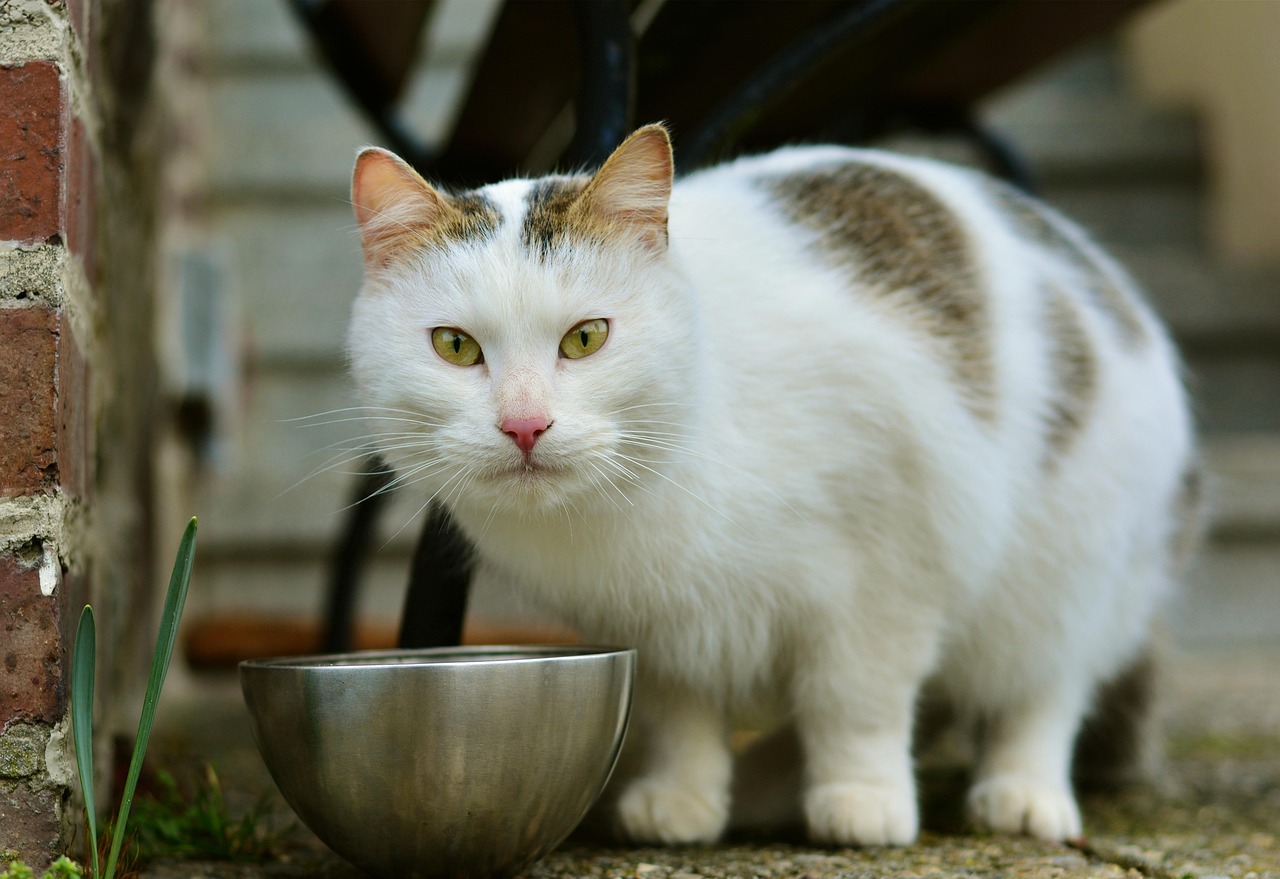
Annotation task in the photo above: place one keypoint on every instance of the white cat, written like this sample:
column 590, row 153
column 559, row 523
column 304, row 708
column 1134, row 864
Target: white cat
column 808, row 429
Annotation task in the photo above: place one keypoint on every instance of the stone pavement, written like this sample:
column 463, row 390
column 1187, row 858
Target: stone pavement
column 1215, row 810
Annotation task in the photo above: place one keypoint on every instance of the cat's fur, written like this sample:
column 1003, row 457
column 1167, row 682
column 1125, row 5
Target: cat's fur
column 860, row 421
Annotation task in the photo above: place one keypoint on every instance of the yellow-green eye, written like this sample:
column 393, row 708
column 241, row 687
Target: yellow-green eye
column 456, row 346
column 586, row 338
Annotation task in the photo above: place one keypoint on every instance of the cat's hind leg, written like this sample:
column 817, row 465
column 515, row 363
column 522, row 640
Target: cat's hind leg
column 682, row 793
column 1120, row 742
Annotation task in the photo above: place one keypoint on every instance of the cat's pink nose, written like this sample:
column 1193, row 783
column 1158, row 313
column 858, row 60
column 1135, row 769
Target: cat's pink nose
column 525, row 431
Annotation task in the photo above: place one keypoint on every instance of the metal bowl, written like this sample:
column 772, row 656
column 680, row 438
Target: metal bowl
column 465, row 761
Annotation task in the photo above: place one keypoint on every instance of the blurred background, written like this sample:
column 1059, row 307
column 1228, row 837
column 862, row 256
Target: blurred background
column 1160, row 134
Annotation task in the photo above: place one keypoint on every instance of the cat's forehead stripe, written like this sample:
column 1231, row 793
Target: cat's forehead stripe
column 548, row 213
column 1073, row 378
column 1028, row 217
column 474, row 217
column 899, row 239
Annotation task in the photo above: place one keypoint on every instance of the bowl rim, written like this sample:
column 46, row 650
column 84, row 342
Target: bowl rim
column 470, row 655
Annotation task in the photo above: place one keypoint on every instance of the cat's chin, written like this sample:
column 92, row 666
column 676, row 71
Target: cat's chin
column 532, row 486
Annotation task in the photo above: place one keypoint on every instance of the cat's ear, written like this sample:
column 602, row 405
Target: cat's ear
column 394, row 206
column 632, row 189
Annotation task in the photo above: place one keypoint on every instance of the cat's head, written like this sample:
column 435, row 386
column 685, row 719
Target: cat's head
column 528, row 344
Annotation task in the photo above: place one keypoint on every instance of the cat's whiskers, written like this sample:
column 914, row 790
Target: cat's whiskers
column 618, row 467
column 602, row 475
column 568, row 519
column 372, row 443
column 658, row 440
column 634, row 479
column 679, row 444
column 352, row 419
column 369, row 413
column 346, row 453
column 461, row 472
column 413, row 475
column 334, row 464
column 460, row 488
column 636, row 462
column 363, row 449
column 664, row 405
column 488, row 520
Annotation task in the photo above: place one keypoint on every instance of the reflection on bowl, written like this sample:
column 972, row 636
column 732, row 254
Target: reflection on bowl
column 465, row 761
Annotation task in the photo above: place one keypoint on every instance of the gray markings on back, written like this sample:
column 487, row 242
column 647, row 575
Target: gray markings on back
column 898, row 239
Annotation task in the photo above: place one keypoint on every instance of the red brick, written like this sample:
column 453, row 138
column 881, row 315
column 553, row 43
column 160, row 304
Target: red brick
column 45, row 434
column 28, row 400
column 31, row 102
column 81, row 203
column 30, row 824
column 31, row 683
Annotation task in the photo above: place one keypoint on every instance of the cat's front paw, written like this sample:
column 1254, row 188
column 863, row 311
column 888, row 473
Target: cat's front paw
column 1022, row 804
column 853, row 813
column 657, row 811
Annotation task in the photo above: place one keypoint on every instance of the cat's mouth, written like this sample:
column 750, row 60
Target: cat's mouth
column 531, row 470
column 530, row 482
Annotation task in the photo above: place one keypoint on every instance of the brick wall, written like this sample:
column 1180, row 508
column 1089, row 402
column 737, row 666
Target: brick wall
column 65, row 157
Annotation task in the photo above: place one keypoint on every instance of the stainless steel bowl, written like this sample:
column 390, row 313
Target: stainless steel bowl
column 460, row 762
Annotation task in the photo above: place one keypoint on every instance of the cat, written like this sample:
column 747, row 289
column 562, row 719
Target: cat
column 809, row 429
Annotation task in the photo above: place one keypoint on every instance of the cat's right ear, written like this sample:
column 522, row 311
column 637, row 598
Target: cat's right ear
column 394, row 205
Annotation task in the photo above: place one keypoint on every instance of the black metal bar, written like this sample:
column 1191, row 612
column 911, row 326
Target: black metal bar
column 436, row 603
column 350, row 553
column 1001, row 156
column 735, row 114
column 351, row 67
column 998, row 154
column 605, row 103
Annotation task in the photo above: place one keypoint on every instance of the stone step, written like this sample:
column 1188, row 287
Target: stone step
column 1162, row 215
column 288, row 470
column 284, row 136
column 1203, row 302
column 1235, row 393
column 1232, row 596
column 250, row 35
column 1244, row 486
column 285, row 127
column 293, row 274
column 1076, row 121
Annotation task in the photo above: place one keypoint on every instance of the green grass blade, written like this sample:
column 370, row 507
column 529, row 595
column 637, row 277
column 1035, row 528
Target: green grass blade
column 167, row 637
column 84, row 663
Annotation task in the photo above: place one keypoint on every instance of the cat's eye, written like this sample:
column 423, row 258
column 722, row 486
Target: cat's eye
column 456, row 347
column 586, row 338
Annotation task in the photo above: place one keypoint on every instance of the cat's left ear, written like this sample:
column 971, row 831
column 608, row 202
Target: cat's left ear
column 630, row 192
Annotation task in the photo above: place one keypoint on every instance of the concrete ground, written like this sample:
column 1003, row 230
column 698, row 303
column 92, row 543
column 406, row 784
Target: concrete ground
column 1214, row 811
